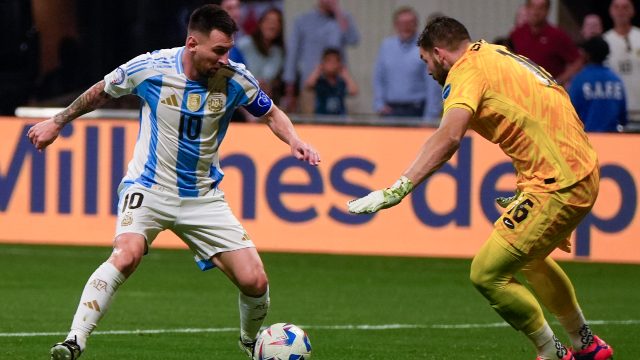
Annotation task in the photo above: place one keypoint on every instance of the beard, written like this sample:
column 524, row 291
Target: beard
column 439, row 73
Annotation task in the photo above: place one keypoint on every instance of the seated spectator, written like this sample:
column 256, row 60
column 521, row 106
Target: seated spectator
column 332, row 83
column 233, row 8
column 597, row 93
column 264, row 52
column 402, row 85
column 546, row 45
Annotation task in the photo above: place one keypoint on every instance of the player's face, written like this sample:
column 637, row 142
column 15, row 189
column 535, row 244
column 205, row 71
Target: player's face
column 209, row 52
column 435, row 67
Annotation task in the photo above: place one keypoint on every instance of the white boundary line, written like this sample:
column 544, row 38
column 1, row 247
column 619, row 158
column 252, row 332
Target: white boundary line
column 309, row 327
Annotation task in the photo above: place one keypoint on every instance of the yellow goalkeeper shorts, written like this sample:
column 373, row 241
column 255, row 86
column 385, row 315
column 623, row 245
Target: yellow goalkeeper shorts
column 536, row 223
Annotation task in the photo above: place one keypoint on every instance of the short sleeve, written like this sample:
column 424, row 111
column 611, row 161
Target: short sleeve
column 464, row 88
column 124, row 79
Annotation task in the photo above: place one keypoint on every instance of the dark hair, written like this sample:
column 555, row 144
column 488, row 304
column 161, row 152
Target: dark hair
column 331, row 51
column 209, row 17
column 596, row 49
column 258, row 36
column 444, row 32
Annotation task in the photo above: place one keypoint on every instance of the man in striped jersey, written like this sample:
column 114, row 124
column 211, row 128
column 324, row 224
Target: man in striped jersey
column 188, row 95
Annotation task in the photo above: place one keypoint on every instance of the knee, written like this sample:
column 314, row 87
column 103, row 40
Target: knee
column 480, row 279
column 127, row 253
column 254, row 283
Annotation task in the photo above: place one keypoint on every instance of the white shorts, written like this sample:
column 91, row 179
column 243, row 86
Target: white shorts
column 206, row 223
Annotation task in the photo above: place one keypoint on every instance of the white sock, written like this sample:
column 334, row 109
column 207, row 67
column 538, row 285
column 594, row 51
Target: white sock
column 252, row 313
column 94, row 301
column 576, row 327
column 547, row 344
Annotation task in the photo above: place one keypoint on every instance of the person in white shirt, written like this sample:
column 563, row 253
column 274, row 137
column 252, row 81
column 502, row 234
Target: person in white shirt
column 624, row 56
column 188, row 96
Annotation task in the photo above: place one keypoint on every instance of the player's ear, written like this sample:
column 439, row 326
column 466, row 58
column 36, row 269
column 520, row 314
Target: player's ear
column 191, row 43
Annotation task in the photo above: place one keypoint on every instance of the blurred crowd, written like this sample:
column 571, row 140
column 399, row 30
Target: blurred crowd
column 307, row 71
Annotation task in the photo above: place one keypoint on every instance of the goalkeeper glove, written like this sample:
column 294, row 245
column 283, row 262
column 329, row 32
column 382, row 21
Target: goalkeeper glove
column 381, row 199
column 505, row 201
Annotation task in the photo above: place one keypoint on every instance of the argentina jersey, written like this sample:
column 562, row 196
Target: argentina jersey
column 182, row 122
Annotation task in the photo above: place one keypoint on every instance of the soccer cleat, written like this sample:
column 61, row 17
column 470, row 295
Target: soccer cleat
column 66, row 350
column 247, row 348
column 598, row 350
column 567, row 356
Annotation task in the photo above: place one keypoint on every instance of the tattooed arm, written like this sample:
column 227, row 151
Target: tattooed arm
column 45, row 132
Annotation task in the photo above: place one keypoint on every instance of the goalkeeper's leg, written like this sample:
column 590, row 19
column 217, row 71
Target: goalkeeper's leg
column 492, row 273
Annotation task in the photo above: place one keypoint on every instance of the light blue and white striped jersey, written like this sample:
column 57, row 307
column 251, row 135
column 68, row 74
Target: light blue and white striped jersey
column 182, row 122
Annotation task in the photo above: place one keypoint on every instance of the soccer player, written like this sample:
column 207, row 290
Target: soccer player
column 514, row 103
column 188, row 95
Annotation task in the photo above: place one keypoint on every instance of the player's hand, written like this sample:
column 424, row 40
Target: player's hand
column 381, row 199
column 305, row 152
column 43, row 133
column 504, row 202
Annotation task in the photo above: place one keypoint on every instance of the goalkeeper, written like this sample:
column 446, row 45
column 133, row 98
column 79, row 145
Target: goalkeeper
column 516, row 104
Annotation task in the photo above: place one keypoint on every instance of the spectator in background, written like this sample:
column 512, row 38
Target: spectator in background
column 401, row 83
column 624, row 55
column 597, row 93
column 591, row 26
column 327, row 26
column 233, row 8
column 546, row 45
column 264, row 52
column 331, row 83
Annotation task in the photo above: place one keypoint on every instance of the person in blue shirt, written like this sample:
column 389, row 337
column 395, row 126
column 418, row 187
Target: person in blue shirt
column 401, row 84
column 597, row 92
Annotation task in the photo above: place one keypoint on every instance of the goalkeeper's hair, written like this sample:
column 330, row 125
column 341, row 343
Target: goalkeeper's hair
column 444, row 32
column 211, row 17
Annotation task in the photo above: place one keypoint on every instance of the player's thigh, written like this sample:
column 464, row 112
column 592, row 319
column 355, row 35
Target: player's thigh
column 208, row 226
column 536, row 223
column 145, row 212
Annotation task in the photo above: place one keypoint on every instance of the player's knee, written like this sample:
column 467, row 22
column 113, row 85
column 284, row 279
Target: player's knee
column 481, row 280
column 127, row 253
column 255, row 283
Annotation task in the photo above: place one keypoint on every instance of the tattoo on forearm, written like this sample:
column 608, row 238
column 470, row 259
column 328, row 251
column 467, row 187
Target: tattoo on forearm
column 90, row 100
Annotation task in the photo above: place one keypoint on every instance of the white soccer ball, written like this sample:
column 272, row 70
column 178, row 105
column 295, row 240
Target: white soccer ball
column 282, row 342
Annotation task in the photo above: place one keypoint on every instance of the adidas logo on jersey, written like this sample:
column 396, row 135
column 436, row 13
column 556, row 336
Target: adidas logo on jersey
column 170, row 100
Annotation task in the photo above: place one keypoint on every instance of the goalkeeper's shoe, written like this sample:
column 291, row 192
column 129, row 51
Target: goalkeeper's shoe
column 598, row 350
column 247, row 347
column 567, row 356
column 66, row 350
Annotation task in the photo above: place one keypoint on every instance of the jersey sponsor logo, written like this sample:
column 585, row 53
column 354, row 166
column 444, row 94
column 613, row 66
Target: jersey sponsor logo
column 170, row 100
column 215, row 102
column 118, row 76
column 193, row 102
column 446, row 91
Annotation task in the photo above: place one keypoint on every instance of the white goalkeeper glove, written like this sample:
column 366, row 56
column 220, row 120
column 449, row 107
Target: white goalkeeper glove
column 381, row 199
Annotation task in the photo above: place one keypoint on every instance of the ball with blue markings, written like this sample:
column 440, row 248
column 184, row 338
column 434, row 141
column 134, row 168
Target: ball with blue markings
column 282, row 342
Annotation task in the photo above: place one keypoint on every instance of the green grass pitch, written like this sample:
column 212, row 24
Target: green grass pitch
column 352, row 307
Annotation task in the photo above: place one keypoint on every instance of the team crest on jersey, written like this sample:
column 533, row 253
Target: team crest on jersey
column 194, row 101
column 215, row 102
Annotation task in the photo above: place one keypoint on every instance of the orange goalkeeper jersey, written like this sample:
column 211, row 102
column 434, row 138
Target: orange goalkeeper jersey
column 519, row 106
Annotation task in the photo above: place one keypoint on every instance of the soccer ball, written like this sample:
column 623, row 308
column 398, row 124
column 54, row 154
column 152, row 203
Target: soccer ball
column 282, row 342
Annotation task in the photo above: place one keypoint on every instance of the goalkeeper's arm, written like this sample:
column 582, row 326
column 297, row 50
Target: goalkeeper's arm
column 435, row 152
